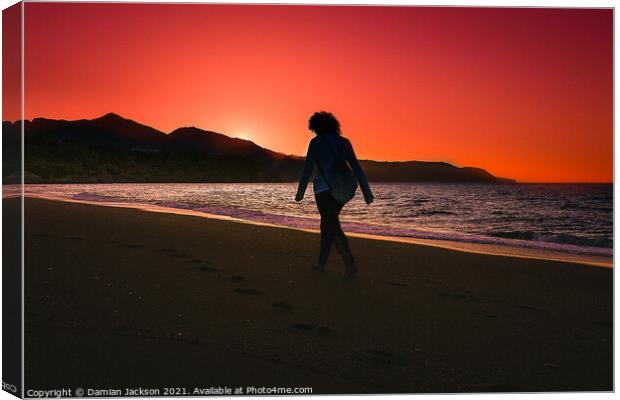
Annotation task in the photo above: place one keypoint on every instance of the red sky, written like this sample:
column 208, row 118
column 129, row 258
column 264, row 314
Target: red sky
column 523, row 93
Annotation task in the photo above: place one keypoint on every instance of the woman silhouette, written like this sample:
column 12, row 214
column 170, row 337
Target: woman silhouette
column 321, row 153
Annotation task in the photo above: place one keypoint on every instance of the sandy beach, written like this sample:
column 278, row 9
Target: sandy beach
column 120, row 298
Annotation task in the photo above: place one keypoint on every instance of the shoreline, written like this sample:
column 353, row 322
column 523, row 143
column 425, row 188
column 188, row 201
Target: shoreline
column 466, row 247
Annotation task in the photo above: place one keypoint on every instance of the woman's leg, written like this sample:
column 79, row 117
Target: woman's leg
column 342, row 243
column 329, row 217
column 331, row 231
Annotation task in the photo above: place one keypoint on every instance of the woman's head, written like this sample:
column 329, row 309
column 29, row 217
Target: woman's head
column 324, row 123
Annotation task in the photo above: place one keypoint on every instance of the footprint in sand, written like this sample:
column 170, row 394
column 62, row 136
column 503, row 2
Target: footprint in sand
column 174, row 253
column 178, row 255
column 312, row 329
column 301, row 326
column 381, row 357
column 398, row 284
column 133, row 246
column 235, row 278
column 205, row 269
column 454, row 295
column 248, row 291
column 281, row 306
column 484, row 314
column 72, row 238
column 530, row 308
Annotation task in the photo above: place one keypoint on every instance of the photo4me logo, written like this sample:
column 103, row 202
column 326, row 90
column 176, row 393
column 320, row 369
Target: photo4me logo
column 8, row 387
column 254, row 390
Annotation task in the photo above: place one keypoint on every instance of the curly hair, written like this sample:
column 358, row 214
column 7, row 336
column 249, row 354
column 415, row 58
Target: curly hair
column 324, row 123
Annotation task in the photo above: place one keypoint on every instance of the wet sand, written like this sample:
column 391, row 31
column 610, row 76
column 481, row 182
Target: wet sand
column 120, row 297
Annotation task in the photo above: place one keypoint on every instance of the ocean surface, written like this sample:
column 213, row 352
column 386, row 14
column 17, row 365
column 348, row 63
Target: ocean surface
column 571, row 218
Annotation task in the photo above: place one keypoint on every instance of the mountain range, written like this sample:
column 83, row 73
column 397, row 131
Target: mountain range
column 115, row 149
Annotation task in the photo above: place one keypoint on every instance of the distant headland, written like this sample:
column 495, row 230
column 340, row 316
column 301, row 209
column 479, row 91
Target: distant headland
column 113, row 149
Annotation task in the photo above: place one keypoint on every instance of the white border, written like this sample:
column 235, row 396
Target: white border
column 479, row 3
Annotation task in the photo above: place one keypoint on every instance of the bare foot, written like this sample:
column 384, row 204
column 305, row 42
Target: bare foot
column 318, row 267
column 351, row 270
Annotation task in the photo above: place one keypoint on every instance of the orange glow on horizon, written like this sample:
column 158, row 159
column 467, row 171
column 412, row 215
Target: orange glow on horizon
column 524, row 93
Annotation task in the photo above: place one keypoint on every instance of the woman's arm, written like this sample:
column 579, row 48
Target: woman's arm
column 305, row 173
column 359, row 172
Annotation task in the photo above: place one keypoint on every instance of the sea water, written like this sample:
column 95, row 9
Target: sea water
column 571, row 218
